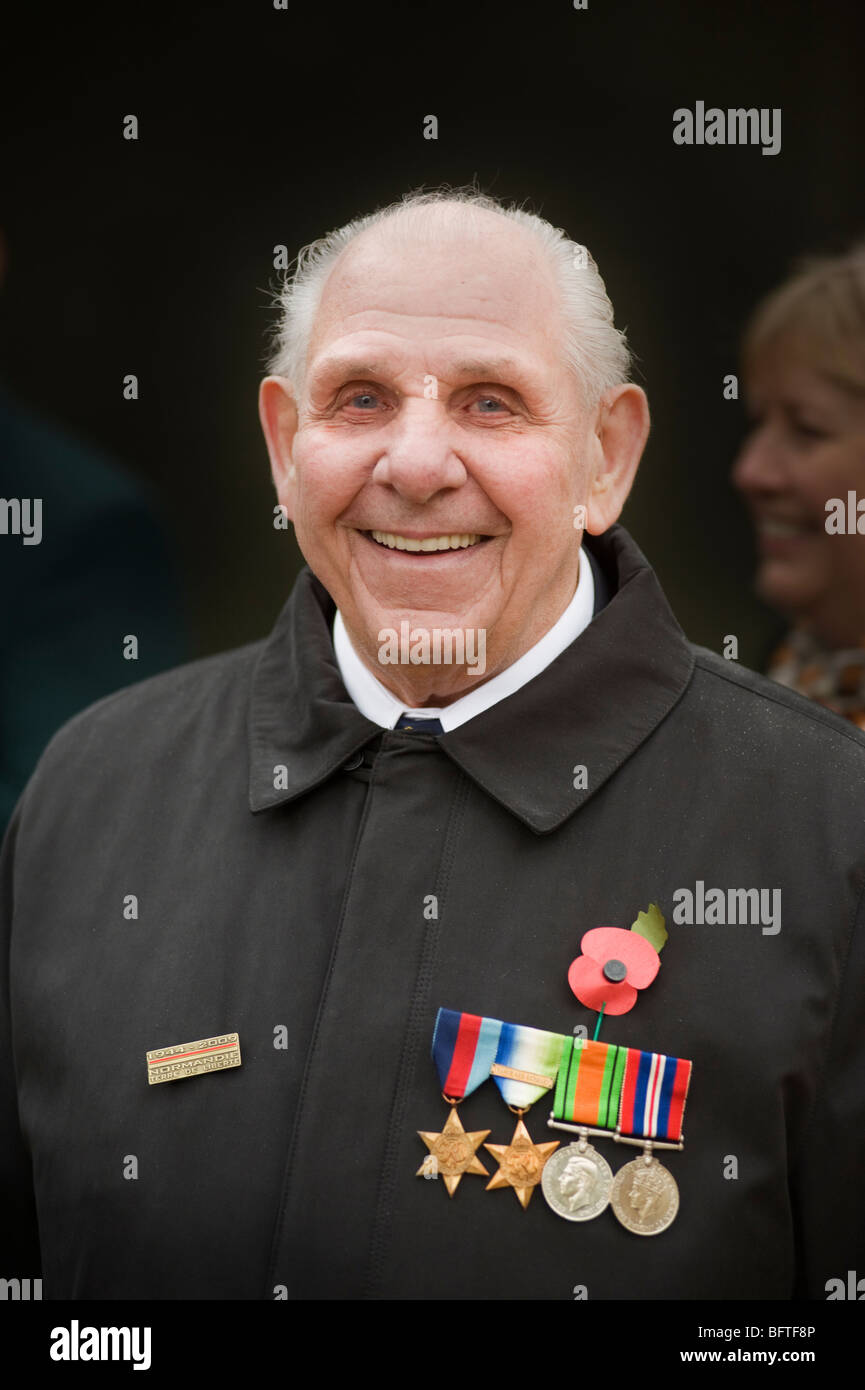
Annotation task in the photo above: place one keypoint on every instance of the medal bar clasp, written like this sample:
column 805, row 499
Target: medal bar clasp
column 583, row 1130
column 530, row 1078
column 645, row 1144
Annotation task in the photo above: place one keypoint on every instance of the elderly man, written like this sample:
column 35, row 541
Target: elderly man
column 318, row 842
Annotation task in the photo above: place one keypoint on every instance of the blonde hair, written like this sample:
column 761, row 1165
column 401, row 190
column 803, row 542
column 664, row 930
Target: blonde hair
column 818, row 315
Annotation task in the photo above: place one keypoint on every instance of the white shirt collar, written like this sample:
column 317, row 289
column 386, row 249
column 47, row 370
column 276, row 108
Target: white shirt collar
column 384, row 709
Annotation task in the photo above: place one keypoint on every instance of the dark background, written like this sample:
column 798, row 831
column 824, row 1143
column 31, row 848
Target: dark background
column 261, row 127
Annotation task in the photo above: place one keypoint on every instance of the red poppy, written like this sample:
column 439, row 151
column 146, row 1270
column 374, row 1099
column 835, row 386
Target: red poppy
column 614, row 965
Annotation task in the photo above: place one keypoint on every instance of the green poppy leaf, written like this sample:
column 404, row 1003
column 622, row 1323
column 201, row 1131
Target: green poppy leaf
column 651, row 925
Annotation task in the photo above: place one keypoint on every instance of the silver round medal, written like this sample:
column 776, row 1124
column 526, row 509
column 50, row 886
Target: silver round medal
column 577, row 1182
column 645, row 1197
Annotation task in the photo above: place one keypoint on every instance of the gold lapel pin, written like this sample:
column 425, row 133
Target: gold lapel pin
column 193, row 1058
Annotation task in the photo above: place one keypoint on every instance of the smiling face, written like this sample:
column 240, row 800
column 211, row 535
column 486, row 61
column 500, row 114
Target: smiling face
column 807, row 446
column 434, row 460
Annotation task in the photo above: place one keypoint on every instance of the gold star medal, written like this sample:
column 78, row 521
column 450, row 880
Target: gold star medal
column 521, row 1163
column 452, row 1153
column 523, row 1062
column 526, row 1065
column 463, row 1050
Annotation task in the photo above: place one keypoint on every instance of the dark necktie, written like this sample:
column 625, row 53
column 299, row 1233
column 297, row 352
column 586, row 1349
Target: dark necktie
column 419, row 726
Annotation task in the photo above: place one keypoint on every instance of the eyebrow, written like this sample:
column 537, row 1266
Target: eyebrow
column 481, row 367
column 347, row 366
column 850, row 388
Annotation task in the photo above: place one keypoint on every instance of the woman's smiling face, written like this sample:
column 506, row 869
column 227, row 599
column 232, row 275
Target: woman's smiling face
column 806, row 446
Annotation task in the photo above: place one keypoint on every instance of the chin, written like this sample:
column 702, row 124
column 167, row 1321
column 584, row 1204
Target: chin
column 783, row 587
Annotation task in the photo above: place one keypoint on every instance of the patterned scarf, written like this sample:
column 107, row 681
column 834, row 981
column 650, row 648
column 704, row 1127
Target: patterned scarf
column 835, row 679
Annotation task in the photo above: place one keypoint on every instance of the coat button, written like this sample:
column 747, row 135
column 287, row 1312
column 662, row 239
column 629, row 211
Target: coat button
column 354, row 761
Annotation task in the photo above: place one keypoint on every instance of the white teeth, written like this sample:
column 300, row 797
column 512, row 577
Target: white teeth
column 395, row 542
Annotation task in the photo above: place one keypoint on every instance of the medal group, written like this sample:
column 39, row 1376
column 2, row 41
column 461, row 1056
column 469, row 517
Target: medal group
column 598, row 1089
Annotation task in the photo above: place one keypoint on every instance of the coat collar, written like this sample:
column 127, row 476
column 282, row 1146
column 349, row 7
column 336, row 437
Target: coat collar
column 594, row 705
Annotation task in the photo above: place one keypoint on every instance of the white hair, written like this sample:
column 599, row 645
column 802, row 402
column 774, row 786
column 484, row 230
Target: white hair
column 595, row 350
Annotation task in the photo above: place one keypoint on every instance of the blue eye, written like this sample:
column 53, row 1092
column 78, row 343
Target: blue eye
column 481, row 400
column 365, row 396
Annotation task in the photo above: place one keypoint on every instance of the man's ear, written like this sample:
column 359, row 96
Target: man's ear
column 618, row 440
column 277, row 411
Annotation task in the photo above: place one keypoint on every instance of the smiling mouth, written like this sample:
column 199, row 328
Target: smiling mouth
column 774, row 529
column 391, row 540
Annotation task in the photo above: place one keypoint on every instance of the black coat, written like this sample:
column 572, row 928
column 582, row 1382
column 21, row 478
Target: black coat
column 294, row 908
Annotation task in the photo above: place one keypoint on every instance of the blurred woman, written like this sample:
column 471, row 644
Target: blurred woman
column 803, row 367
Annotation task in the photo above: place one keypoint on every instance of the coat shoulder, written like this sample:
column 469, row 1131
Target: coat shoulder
column 739, row 688
column 156, row 713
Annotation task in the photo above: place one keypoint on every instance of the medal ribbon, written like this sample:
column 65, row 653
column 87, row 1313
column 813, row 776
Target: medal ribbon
column 654, row 1091
column 534, row 1053
column 464, row 1048
column 589, row 1086
column 594, row 1082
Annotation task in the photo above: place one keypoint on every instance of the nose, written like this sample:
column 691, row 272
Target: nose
column 419, row 459
column 761, row 464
